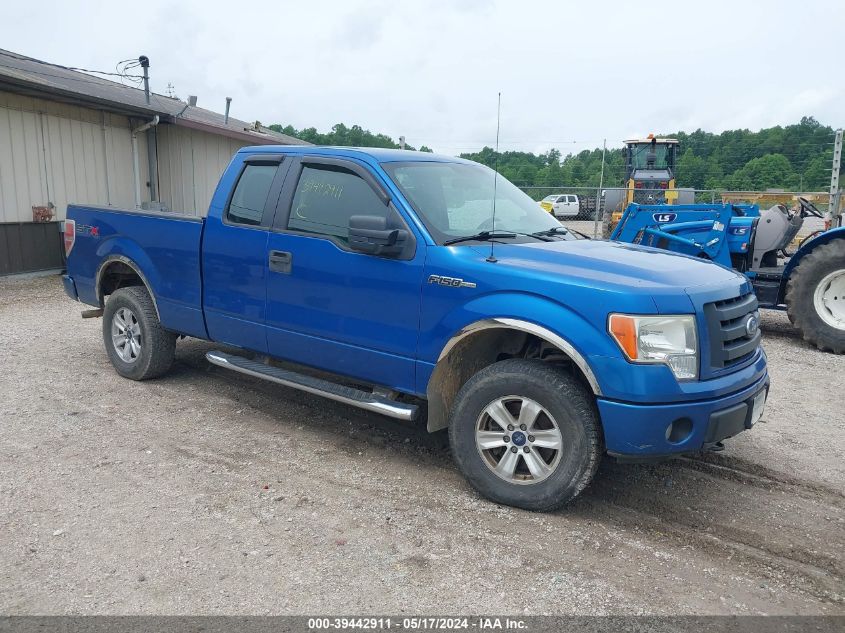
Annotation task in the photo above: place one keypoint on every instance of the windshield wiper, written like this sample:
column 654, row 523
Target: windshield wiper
column 584, row 236
column 489, row 235
column 561, row 230
column 483, row 236
column 555, row 230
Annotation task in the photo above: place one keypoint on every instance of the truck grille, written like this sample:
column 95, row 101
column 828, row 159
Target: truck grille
column 727, row 323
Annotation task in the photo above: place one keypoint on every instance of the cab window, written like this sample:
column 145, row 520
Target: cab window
column 250, row 195
column 327, row 196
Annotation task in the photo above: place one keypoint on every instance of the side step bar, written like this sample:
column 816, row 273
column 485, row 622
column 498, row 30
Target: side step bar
column 317, row 386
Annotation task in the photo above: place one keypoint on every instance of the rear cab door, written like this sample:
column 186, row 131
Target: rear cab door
column 234, row 250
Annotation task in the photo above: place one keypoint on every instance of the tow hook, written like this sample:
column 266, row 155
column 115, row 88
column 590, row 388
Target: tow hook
column 715, row 447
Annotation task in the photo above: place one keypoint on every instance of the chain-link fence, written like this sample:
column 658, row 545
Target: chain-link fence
column 590, row 210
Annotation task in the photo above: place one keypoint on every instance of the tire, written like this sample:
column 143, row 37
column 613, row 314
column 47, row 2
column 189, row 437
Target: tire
column 613, row 200
column 150, row 352
column 815, row 297
column 566, row 405
column 686, row 196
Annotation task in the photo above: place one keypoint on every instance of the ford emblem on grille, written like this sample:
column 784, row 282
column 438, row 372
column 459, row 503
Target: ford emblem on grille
column 752, row 324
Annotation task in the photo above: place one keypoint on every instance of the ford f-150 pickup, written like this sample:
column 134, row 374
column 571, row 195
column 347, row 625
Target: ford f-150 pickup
column 415, row 282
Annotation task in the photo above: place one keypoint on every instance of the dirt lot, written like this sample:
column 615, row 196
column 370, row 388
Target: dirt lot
column 207, row 492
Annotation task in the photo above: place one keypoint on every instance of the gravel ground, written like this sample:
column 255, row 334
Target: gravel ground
column 205, row 492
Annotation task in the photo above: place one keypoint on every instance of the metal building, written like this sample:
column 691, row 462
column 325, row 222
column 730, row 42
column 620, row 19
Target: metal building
column 71, row 137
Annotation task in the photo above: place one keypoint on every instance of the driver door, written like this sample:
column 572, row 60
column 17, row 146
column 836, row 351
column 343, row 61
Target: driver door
column 329, row 306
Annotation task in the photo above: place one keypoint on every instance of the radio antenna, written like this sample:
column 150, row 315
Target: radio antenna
column 492, row 258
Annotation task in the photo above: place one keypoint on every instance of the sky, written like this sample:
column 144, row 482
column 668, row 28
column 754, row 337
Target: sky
column 571, row 73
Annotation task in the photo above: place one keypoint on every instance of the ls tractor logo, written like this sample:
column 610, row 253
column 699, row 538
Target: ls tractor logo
column 663, row 218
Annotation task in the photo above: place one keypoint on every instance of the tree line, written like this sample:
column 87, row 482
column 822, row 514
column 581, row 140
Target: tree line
column 343, row 136
column 794, row 157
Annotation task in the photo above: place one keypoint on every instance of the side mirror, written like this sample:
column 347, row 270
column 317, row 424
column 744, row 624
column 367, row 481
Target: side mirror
column 371, row 234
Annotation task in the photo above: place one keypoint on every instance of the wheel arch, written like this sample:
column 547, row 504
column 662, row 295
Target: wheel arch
column 481, row 344
column 118, row 271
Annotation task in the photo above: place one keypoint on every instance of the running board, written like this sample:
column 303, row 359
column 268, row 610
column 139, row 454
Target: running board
column 317, row 386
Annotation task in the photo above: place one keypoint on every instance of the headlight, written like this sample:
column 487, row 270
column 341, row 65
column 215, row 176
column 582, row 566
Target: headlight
column 670, row 340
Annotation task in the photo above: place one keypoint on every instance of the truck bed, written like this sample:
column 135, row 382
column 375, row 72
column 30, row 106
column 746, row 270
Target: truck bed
column 165, row 246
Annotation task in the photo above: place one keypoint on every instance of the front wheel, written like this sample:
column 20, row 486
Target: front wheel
column 815, row 297
column 138, row 346
column 527, row 434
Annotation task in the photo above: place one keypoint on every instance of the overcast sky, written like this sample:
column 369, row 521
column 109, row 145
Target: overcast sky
column 571, row 73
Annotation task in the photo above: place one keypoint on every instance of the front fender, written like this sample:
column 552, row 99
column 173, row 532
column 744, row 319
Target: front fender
column 584, row 336
column 471, row 336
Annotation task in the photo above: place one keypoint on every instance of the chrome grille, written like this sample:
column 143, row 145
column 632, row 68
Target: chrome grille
column 727, row 323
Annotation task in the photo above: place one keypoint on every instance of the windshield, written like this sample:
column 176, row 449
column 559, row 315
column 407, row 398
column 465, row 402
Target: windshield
column 456, row 200
column 648, row 156
column 550, row 198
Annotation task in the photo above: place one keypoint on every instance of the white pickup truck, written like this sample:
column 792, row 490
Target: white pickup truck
column 562, row 205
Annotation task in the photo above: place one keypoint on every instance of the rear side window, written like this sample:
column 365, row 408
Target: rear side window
column 327, row 196
column 573, row 199
column 250, row 196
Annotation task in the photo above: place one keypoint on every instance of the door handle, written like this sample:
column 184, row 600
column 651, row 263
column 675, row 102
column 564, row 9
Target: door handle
column 280, row 261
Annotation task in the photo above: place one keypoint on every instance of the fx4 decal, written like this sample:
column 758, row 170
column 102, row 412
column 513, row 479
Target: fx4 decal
column 87, row 229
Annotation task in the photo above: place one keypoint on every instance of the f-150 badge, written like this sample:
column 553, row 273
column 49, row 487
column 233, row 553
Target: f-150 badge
column 451, row 282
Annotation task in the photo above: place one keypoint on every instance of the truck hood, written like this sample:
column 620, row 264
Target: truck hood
column 612, row 263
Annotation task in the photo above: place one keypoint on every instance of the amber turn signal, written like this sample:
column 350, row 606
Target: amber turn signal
column 623, row 328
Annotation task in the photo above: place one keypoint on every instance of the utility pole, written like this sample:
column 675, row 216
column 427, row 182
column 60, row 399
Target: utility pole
column 401, row 142
column 835, row 194
column 598, row 193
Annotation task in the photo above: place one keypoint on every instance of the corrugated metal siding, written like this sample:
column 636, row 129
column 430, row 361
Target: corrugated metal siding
column 22, row 175
column 117, row 143
column 51, row 152
column 190, row 163
column 57, row 153
column 29, row 246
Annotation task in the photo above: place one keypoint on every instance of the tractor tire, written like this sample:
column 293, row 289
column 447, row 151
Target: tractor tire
column 614, row 200
column 815, row 297
column 536, row 458
column 686, row 196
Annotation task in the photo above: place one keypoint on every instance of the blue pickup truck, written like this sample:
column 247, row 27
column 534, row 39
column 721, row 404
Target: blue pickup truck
column 422, row 283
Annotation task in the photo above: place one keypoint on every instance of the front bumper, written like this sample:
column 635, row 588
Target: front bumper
column 658, row 430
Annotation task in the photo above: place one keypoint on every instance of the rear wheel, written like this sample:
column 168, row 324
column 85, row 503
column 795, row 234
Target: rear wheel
column 815, row 297
column 526, row 434
column 138, row 346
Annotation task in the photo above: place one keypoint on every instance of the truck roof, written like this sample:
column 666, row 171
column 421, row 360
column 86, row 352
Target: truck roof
column 378, row 154
column 659, row 139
